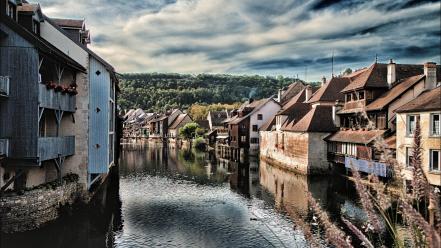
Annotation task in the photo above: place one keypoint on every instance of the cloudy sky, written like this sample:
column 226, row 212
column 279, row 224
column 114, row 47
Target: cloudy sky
column 277, row 37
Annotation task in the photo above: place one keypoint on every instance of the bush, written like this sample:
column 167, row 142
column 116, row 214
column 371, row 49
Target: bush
column 199, row 144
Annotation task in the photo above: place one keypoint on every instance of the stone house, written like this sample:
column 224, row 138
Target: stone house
column 294, row 138
column 368, row 113
column 427, row 109
column 74, row 93
column 244, row 127
column 180, row 121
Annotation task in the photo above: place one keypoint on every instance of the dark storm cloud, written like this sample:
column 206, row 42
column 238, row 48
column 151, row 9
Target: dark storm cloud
column 255, row 36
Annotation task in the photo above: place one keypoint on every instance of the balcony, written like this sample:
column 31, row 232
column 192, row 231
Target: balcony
column 4, row 86
column 50, row 99
column 354, row 106
column 4, row 147
column 54, row 147
column 370, row 167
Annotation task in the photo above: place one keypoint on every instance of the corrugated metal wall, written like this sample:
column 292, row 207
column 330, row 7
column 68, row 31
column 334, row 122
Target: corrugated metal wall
column 99, row 81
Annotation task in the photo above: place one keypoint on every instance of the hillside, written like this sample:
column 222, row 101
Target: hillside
column 157, row 91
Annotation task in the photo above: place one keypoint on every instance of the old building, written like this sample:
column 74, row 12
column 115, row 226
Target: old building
column 294, row 137
column 368, row 113
column 426, row 108
column 180, row 121
column 70, row 100
column 158, row 127
column 244, row 127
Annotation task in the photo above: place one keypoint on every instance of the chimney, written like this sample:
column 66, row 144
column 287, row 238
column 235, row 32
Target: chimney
column 430, row 73
column 279, row 96
column 323, row 80
column 391, row 73
column 335, row 118
column 308, row 93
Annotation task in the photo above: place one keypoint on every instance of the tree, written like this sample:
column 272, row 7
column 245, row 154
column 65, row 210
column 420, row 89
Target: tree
column 188, row 131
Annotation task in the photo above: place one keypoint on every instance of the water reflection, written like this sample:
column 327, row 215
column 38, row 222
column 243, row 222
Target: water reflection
column 181, row 198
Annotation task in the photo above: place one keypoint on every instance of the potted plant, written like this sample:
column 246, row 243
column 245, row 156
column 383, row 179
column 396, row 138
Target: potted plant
column 58, row 88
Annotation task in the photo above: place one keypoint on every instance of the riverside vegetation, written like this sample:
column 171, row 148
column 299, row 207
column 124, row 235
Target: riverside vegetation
column 411, row 216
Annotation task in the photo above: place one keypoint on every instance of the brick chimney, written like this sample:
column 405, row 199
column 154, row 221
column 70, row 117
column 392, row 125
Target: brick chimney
column 391, row 73
column 430, row 73
column 308, row 93
column 279, row 96
column 323, row 80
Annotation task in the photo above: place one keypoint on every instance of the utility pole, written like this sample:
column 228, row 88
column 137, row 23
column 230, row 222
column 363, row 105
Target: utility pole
column 332, row 64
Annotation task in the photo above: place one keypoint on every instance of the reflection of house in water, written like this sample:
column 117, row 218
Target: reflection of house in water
column 290, row 191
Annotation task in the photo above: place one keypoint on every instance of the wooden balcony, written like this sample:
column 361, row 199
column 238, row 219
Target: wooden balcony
column 4, row 86
column 360, row 104
column 50, row 99
column 336, row 158
column 54, row 147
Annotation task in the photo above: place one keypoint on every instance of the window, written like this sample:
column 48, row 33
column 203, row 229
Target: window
column 243, row 139
column 259, row 117
column 254, row 140
column 411, row 124
column 435, row 124
column 409, row 156
column 435, row 160
column 348, row 97
column 11, row 10
column 381, row 121
column 255, row 128
column 36, row 27
column 361, row 95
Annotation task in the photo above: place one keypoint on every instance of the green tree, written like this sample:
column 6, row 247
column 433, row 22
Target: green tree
column 188, row 131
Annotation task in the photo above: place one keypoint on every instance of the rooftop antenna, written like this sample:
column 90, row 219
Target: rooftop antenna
column 332, row 62
column 306, row 73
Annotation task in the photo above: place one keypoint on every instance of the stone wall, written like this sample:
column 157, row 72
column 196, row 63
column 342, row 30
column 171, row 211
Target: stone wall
column 34, row 208
column 303, row 153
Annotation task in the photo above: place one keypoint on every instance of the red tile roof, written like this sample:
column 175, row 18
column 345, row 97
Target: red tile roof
column 427, row 101
column 355, row 136
column 399, row 88
column 269, row 124
column 331, row 91
column 318, row 119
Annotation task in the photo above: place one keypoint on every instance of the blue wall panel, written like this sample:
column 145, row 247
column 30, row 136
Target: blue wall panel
column 99, row 81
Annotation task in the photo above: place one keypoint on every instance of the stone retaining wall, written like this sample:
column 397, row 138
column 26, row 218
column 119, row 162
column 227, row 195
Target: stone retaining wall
column 34, row 208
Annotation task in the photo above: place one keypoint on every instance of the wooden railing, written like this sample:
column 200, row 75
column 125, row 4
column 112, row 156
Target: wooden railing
column 54, row 147
column 355, row 104
column 50, row 99
column 4, row 86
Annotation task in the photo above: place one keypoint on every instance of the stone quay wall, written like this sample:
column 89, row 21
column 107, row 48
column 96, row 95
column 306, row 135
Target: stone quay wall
column 19, row 213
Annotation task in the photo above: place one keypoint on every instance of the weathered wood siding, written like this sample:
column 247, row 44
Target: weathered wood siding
column 50, row 99
column 19, row 113
column 54, row 147
column 99, row 80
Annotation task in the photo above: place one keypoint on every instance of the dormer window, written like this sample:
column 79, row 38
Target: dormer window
column 36, row 27
column 11, row 10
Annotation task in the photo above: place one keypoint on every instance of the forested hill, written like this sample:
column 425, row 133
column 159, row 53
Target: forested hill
column 157, row 91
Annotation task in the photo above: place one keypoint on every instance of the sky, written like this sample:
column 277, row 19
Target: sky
column 265, row 37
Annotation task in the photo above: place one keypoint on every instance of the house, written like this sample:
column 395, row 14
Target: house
column 284, row 95
column 427, row 109
column 244, row 127
column 158, row 127
column 216, row 119
column 293, row 139
column 368, row 113
column 180, row 121
column 63, row 96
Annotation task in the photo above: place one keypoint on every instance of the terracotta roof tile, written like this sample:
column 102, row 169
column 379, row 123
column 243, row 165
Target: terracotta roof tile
column 428, row 100
column 399, row 89
column 318, row 119
column 355, row 136
column 268, row 125
column 331, row 91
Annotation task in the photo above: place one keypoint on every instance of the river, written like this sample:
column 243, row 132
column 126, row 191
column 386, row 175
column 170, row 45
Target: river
column 176, row 198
